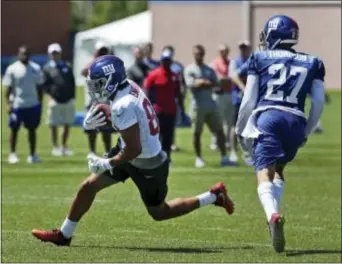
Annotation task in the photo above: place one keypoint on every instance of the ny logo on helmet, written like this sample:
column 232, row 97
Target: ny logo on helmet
column 108, row 69
column 273, row 24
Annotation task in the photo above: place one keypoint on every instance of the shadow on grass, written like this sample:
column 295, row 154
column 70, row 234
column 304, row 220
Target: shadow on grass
column 299, row 252
column 169, row 250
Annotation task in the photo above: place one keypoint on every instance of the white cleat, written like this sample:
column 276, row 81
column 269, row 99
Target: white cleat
column 233, row 157
column 33, row 159
column 13, row 158
column 57, row 152
column 67, row 152
column 248, row 160
column 91, row 155
column 213, row 147
column 199, row 163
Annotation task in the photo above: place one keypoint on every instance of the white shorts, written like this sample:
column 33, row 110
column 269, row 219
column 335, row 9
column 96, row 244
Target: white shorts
column 61, row 114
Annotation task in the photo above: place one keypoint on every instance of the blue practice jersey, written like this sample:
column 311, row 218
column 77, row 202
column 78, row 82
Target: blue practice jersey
column 285, row 76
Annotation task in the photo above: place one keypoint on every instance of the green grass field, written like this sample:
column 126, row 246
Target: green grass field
column 118, row 229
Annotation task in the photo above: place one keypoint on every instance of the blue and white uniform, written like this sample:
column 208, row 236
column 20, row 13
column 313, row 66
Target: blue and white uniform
column 272, row 109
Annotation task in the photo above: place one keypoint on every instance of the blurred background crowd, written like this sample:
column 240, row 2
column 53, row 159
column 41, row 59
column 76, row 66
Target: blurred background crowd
column 166, row 46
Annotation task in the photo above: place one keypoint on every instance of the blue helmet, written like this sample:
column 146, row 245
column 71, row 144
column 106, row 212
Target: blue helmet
column 279, row 29
column 105, row 74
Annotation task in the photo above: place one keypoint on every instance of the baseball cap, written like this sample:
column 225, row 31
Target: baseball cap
column 244, row 43
column 166, row 55
column 54, row 47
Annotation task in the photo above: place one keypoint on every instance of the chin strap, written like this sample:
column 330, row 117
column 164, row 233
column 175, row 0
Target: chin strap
column 120, row 87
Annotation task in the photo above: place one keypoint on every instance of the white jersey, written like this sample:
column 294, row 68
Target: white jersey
column 24, row 80
column 131, row 106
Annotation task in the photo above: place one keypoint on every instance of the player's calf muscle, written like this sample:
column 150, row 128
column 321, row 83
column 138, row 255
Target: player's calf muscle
column 266, row 174
column 173, row 208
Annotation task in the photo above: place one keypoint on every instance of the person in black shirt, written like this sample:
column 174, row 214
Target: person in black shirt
column 139, row 70
column 60, row 87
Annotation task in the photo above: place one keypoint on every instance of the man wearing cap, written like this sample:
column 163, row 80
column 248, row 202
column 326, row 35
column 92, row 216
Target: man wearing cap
column 22, row 81
column 162, row 87
column 101, row 49
column 239, row 79
column 60, row 86
column 223, row 95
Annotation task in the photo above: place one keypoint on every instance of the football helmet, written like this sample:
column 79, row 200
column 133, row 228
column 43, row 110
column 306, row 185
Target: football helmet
column 105, row 74
column 279, row 29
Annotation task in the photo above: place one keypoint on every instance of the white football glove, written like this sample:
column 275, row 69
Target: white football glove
column 98, row 165
column 93, row 119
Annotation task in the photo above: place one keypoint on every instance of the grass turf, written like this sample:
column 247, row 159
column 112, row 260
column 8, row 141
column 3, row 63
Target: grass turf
column 118, row 229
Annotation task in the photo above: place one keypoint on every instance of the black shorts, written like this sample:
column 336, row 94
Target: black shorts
column 152, row 183
column 235, row 115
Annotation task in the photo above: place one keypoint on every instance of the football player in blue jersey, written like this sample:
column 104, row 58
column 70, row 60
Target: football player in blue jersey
column 272, row 112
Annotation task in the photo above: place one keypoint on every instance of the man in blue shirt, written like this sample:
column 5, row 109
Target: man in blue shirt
column 60, row 88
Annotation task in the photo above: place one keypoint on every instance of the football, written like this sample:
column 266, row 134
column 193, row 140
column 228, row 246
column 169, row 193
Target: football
column 105, row 108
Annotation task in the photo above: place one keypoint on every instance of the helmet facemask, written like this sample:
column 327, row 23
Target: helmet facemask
column 262, row 41
column 100, row 89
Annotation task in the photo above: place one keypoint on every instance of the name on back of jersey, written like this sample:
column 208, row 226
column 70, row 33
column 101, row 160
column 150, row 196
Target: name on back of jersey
column 288, row 54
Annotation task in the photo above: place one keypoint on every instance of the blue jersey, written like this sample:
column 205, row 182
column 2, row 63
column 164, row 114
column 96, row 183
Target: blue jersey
column 242, row 73
column 285, row 76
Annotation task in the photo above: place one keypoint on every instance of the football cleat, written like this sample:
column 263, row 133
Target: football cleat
column 54, row 236
column 222, row 198
column 276, row 227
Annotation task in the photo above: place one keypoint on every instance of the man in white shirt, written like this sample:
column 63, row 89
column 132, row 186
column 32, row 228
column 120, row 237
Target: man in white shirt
column 22, row 82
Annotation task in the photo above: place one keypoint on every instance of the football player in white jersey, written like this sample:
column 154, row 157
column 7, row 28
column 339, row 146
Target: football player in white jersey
column 138, row 154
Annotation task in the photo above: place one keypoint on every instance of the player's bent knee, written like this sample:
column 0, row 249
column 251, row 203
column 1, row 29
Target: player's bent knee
column 157, row 213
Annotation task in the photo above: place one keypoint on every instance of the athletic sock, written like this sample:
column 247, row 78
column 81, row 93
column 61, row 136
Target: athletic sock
column 267, row 199
column 206, row 198
column 68, row 228
column 278, row 189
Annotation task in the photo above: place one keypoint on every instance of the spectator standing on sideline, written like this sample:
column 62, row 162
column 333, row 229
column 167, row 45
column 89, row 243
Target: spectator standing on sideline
column 148, row 51
column 22, row 82
column 101, row 49
column 239, row 78
column 201, row 80
column 60, row 87
column 177, row 68
column 223, row 95
column 139, row 70
column 162, row 87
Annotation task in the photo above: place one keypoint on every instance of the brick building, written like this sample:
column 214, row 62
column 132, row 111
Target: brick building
column 34, row 23
column 185, row 23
